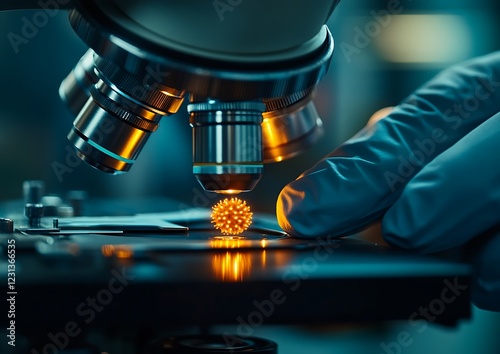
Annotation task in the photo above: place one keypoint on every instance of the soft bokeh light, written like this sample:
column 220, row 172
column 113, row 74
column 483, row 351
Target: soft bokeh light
column 425, row 38
column 118, row 251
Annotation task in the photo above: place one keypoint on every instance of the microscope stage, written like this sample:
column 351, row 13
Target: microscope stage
column 190, row 274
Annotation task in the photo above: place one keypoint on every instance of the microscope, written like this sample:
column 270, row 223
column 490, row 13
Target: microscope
column 248, row 67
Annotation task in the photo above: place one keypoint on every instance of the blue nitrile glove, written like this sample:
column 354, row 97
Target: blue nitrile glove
column 430, row 169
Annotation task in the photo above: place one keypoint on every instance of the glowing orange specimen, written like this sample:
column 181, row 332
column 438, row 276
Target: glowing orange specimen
column 231, row 216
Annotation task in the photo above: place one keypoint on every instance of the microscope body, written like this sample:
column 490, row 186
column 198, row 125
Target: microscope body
column 248, row 67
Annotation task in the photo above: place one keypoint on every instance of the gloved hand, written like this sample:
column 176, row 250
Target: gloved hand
column 430, row 170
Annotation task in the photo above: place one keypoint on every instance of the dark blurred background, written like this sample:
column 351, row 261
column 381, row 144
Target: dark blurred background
column 379, row 59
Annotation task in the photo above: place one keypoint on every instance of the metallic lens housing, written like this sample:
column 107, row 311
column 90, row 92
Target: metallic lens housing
column 289, row 128
column 75, row 88
column 227, row 144
column 118, row 119
column 246, row 108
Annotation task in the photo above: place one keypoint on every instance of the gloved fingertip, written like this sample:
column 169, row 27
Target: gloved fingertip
column 282, row 211
column 287, row 211
column 399, row 230
column 396, row 237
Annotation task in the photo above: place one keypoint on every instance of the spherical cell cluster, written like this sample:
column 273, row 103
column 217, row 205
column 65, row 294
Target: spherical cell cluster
column 231, row 216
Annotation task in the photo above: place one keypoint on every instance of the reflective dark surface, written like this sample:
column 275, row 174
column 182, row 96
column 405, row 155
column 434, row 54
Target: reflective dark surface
column 199, row 276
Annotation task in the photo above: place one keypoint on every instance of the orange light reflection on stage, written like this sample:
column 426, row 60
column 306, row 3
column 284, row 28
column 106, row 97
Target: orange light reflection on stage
column 234, row 266
column 118, row 251
column 226, row 242
column 231, row 266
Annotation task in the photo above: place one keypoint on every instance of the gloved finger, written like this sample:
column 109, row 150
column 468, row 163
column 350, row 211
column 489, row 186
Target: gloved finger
column 360, row 180
column 453, row 198
column 380, row 114
column 486, row 273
